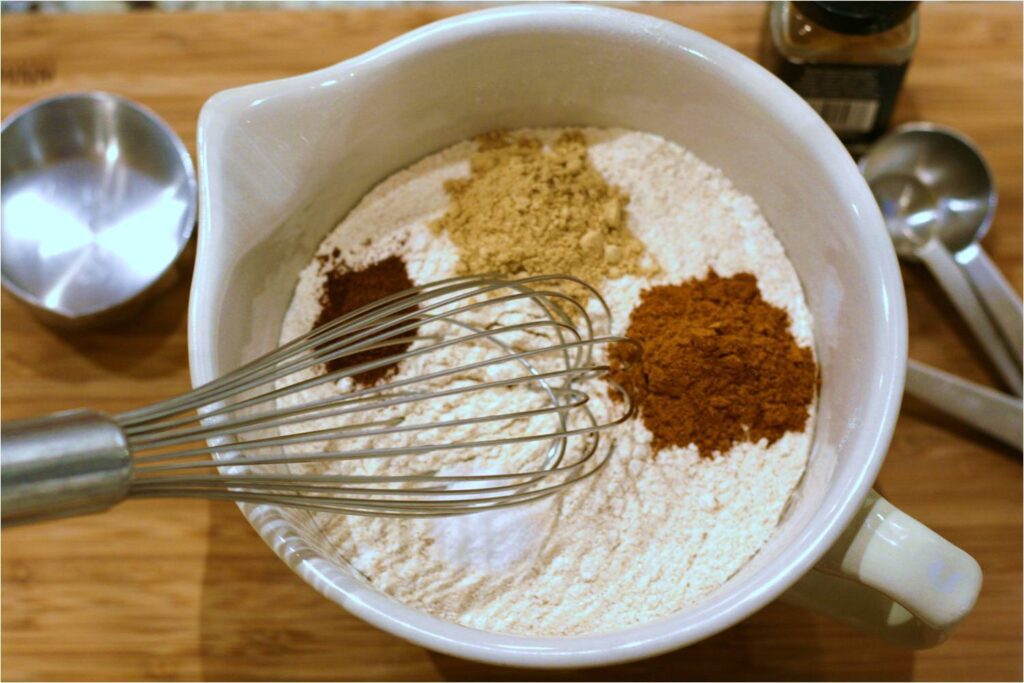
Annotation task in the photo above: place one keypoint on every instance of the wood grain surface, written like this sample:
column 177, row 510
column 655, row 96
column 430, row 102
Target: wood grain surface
column 186, row 590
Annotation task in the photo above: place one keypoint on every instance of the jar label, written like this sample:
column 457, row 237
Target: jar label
column 856, row 101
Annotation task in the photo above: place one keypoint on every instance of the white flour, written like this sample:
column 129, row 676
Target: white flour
column 646, row 536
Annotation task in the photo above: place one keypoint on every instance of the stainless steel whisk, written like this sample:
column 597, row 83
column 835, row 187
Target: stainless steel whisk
column 237, row 436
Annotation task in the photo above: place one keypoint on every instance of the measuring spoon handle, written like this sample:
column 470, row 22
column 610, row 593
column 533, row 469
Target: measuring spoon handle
column 999, row 297
column 945, row 269
column 997, row 414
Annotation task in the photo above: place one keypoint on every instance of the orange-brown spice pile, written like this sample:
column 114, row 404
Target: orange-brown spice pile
column 719, row 365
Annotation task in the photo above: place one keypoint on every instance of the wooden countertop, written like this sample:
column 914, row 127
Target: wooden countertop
column 186, row 590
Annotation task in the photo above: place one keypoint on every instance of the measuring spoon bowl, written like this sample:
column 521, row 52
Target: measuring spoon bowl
column 933, row 171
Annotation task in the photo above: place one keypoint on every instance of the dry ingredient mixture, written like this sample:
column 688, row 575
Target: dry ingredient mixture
column 679, row 509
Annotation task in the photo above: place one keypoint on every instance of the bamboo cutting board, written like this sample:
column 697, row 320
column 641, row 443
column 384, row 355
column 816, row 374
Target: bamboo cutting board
column 186, row 590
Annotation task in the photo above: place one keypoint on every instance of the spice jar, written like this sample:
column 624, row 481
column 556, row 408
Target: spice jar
column 847, row 59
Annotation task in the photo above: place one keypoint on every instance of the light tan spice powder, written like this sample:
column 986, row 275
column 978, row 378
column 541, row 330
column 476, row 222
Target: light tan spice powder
column 527, row 210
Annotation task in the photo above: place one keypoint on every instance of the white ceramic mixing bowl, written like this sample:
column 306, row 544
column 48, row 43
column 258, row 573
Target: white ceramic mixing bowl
column 281, row 162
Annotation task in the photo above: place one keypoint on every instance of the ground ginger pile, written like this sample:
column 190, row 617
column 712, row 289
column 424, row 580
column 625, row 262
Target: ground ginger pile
column 527, row 210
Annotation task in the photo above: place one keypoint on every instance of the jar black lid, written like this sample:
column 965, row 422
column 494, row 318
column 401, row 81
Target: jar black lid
column 860, row 18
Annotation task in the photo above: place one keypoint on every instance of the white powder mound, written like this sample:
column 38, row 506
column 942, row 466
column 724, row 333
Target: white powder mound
column 651, row 533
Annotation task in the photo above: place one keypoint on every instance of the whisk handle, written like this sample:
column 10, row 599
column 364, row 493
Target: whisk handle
column 62, row 465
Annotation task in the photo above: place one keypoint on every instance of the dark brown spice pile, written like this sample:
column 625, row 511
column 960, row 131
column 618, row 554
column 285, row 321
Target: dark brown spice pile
column 346, row 290
column 719, row 365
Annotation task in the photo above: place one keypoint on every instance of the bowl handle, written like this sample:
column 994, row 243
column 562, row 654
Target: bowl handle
column 891, row 576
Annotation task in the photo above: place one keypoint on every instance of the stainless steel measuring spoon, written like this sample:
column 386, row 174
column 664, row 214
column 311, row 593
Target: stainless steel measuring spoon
column 992, row 412
column 935, row 201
